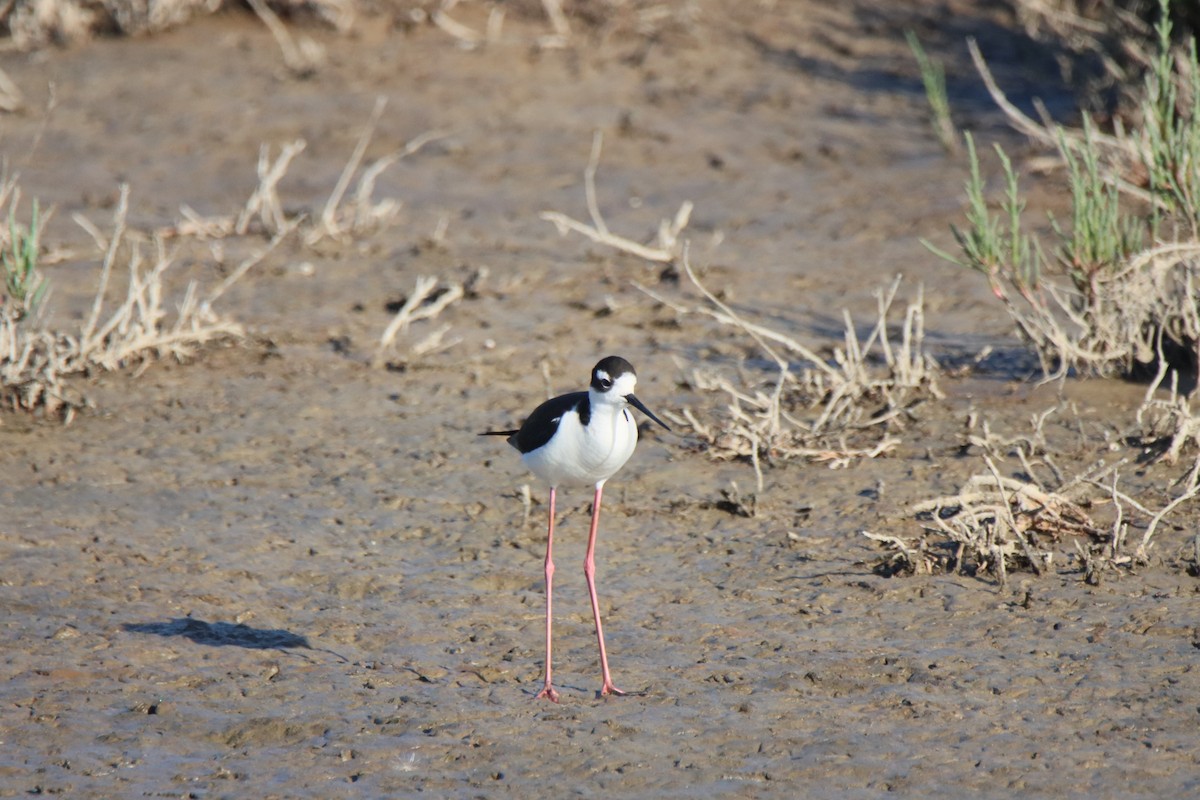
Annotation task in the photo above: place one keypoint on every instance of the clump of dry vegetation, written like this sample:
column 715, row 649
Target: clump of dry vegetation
column 1166, row 426
column 832, row 410
column 339, row 219
column 997, row 524
column 994, row 525
column 1037, row 518
column 470, row 23
column 37, row 363
column 478, row 24
column 36, row 23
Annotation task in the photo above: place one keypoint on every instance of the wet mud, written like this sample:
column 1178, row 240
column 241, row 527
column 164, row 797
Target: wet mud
column 277, row 571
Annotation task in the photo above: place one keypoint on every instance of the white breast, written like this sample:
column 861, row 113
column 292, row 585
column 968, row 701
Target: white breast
column 586, row 455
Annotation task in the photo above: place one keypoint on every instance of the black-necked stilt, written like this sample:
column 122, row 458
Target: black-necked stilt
column 581, row 437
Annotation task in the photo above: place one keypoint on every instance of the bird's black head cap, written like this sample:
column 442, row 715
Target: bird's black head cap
column 608, row 370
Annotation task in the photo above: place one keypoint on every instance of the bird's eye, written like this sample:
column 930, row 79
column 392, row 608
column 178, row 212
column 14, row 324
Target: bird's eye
column 605, row 383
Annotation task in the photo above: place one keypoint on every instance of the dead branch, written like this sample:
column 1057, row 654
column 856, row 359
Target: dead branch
column 665, row 251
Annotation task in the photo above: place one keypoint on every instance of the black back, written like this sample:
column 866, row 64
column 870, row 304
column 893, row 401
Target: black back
column 543, row 422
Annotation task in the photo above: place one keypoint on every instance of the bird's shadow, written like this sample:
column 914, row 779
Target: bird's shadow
column 222, row 634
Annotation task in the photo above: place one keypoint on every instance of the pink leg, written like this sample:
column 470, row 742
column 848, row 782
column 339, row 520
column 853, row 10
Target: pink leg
column 589, row 572
column 548, row 690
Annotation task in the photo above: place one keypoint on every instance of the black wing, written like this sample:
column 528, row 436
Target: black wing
column 543, row 422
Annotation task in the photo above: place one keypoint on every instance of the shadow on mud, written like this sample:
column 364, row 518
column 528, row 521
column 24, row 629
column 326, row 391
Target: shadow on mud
column 221, row 634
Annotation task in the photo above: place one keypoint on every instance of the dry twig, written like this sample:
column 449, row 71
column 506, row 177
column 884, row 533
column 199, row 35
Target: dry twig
column 366, row 214
column 302, row 59
column 425, row 302
column 668, row 243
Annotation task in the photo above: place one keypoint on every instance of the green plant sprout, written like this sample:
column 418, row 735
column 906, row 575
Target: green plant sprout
column 933, row 76
column 23, row 281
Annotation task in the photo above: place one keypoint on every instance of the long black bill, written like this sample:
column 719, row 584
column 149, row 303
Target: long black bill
column 633, row 401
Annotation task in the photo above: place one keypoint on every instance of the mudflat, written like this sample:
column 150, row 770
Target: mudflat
column 279, row 570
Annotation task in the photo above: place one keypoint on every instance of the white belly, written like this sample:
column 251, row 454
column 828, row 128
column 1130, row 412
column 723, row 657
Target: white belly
column 579, row 457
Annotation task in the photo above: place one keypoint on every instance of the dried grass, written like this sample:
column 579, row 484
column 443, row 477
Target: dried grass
column 1167, row 425
column 263, row 211
column 466, row 36
column 144, row 326
column 827, row 412
column 37, row 23
column 364, row 214
column 36, row 363
column 302, row 58
column 615, row 18
column 999, row 524
column 1124, row 322
column 996, row 525
column 1188, row 488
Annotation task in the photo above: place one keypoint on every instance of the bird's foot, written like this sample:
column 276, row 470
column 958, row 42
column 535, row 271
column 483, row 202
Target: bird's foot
column 608, row 689
column 547, row 692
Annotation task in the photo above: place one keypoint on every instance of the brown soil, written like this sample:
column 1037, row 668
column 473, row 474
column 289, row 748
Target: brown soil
column 278, row 572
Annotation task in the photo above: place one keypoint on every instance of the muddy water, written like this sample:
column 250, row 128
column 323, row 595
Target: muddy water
column 277, row 572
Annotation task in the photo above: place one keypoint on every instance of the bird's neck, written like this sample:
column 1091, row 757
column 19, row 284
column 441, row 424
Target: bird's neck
column 603, row 406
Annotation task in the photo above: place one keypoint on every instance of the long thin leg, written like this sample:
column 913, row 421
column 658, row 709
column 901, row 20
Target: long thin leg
column 589, row 572
column 548, row 690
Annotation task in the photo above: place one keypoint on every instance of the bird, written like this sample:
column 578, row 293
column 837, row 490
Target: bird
column 581, row 438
